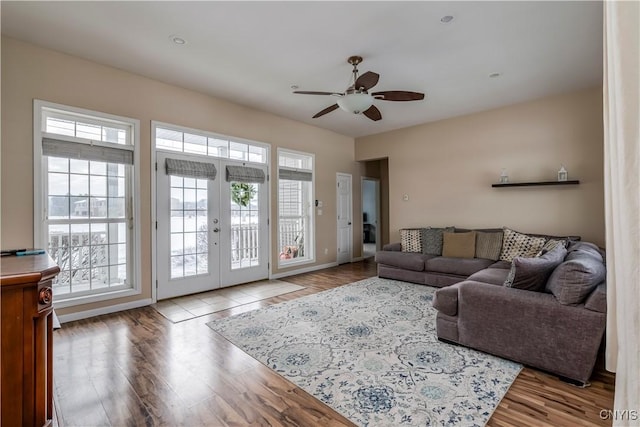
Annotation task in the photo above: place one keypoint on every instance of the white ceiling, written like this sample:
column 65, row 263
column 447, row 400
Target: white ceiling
column 253, row 52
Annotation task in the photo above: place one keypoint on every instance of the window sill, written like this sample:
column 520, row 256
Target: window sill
column 282, row 265
column 88, row 299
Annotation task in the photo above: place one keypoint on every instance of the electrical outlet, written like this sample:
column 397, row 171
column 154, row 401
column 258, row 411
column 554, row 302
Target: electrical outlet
column 405, row 197
column 319, row 212
column 326, row 251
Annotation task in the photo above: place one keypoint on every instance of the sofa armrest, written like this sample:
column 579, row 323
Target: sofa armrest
column 392, row 247
column 597, row 300
column 445, row 300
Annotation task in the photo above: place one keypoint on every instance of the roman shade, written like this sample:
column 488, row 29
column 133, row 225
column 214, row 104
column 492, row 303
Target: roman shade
column 245, row 174
column 190, row 169
column 294, row 175
column 87, row 151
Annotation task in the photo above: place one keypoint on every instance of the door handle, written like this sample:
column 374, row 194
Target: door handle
column 348, row 223
column 215, row 230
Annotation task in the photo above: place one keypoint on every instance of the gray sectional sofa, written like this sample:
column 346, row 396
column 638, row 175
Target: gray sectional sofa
column 556, row 323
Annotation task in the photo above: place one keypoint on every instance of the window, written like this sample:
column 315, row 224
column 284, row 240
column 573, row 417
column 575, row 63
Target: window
column 86, row 215
column 295, row 207
column 192, row 141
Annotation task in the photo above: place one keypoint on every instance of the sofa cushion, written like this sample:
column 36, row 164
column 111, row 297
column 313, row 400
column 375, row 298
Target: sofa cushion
column 573, row 280
column 459, row 245
column 432, row 240
column 406, row 260
column 488, row 245
column 410, row 240
column 518, row 244
column 531, row 274
column 506, row 265
column 494, row 276
column 458, row 266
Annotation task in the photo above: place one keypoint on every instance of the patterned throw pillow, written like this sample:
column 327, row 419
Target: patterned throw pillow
column 551, row 244
column 432, row 240
column 488, row 245
column 410, row 240
column 517, row 244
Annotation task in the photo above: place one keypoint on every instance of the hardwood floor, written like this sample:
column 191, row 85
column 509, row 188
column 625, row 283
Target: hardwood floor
column 136, row 368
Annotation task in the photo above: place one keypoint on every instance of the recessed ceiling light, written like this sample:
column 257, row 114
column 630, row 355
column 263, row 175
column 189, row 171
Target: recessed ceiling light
column 494, row 75
column 446, row 19
column 177, row 40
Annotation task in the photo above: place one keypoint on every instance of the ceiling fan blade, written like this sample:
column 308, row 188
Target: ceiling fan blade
column 398, row 95
column 367, row 81
column 326, row 110
column 313, row 92
column 373, row 113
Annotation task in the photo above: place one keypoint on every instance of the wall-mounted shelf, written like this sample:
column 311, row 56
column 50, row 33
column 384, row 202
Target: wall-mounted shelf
column 539, row 183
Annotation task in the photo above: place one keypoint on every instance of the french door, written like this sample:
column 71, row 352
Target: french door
column 211, row 232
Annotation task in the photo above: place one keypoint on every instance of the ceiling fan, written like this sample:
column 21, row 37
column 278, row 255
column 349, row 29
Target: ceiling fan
column 357, row 99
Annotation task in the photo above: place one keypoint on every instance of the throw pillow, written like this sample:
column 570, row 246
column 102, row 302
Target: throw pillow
column 573, row 280
column 552, row 243
column 410, row 240
column 488, row 245
column 580, row 249
column 531, row 274
column 459, row 245
column 517, row 244
column 432, row 240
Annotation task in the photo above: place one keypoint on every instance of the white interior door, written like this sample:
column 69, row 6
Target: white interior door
column 244, row 232
column 188, row 246
column 344, row 211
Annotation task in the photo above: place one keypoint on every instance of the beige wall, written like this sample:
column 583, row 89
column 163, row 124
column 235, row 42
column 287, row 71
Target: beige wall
column 447, row 168
column 30, row 72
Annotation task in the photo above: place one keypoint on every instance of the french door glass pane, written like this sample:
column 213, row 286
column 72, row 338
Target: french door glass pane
column 189, row 227
column 245, row 225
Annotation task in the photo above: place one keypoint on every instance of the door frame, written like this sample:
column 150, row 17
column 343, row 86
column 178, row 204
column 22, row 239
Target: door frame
column 346, row 175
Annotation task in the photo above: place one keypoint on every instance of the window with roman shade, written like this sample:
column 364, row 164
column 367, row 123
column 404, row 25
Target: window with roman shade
column 87, row 212
column 295, row 207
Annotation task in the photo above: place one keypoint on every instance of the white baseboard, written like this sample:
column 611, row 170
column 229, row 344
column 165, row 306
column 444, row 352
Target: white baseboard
column 303, row 270
column 358, row 259
column 64, row 318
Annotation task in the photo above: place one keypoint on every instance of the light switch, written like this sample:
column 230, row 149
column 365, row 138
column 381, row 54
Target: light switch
column 319, row 212
column 405, row 197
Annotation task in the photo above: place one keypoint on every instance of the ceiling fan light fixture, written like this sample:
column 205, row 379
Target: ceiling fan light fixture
column 355, row 103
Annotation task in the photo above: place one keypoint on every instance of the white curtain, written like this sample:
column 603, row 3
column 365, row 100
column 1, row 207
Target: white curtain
column 622, row 203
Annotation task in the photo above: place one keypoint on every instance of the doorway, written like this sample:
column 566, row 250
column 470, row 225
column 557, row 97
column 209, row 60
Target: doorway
column 370, row 216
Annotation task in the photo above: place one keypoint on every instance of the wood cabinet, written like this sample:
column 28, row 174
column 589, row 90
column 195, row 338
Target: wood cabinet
column 27, row 340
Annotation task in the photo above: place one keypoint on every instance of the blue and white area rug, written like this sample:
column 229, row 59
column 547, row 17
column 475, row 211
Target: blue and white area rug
column 369, row 350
